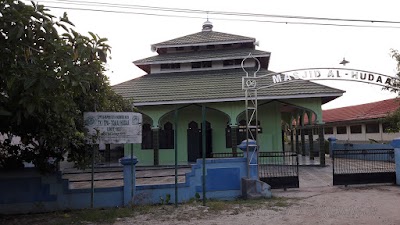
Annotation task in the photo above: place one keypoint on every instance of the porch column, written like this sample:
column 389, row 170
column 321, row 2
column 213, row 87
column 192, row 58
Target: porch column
column 297, row 141
column 302, row 135
column 107, row 153
column 311, row 143
column 396, row 145
column 291, row 140
column 303, row 141
column 234, row 130
column 321, row 145
column 156, row 145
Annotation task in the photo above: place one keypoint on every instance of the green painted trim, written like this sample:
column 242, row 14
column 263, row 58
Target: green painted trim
column 219, row 115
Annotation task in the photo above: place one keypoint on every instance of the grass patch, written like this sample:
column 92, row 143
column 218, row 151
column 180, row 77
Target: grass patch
column 85, row 216
column 237, row 205
column 218, row 205
column 185, row 212
column 102, row 215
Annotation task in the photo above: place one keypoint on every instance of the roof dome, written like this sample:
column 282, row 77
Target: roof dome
column 207, row 26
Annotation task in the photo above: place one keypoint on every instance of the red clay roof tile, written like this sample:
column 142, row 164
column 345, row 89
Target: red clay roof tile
column 372, row 110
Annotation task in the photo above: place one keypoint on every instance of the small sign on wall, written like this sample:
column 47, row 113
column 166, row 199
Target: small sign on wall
column 113, row 127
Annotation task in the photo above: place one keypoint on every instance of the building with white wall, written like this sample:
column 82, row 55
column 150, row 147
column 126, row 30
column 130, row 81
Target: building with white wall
column 360, row 123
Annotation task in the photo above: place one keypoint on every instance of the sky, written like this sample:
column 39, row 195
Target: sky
column 292, row 46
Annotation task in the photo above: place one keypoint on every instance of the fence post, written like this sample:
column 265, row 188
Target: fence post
column 396, row 145
column 253, row 164
column 252, row 157
column 129, row 178
column 332, row 142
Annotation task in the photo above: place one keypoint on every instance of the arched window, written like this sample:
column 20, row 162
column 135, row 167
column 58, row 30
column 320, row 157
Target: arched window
column 147, row 136
column 193, row 125
column 228, row 136
column 241, row 134
column 167, row 136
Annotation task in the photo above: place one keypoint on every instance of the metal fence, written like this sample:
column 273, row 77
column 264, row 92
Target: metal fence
column 279, row 169
column 105, row 177
column 363, row 166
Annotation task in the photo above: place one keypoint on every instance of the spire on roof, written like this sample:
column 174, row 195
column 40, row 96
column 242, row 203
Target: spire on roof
column 207, row 26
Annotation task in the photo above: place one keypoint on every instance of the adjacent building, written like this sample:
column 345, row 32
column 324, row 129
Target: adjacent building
column 361, row 123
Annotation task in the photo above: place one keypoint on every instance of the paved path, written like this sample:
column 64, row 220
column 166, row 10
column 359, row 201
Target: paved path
column 315, row 176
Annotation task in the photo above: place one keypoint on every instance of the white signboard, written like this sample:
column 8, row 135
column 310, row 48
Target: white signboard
column 272, row 79
column 113, row 127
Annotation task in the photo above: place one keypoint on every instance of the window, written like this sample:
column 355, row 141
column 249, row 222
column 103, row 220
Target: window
column 196, row 65
column 328, row 130
column 162, row 50
column 355, row 129
column 241, row 133
column 372, row 128
column 341, row 130
column 195, row 48
column 228, row 62
column 203, row 64
column 166, row 137
column 238, row 61
column 170, row 66
column 247, row 45
column 147, row 136
column 210, row 46
column 228, row 137
column 227, row 45
column 179, row 48
column 206, row 64
column 231, row 62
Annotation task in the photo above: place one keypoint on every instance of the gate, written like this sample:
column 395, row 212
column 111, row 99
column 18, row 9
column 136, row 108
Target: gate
column 363, row 166
column 194, row 141
column 279, row 169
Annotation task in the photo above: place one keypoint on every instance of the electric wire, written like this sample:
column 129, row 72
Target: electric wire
column 143, row 8
column 89, row 3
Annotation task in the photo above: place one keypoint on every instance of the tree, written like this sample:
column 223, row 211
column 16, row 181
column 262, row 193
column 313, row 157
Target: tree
column 392, row 121
column 47, row 81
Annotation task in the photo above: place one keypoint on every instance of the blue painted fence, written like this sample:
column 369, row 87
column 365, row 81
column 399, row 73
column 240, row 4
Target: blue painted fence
column 28, row 191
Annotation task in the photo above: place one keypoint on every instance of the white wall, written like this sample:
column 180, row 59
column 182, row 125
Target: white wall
column 363, row 137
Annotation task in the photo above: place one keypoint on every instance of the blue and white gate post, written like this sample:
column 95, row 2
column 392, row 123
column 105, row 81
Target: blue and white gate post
column 129, row 178
column 396, row 145
column 252, row 156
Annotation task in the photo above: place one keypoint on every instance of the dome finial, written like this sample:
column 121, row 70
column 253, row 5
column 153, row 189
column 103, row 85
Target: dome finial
column 207, row 26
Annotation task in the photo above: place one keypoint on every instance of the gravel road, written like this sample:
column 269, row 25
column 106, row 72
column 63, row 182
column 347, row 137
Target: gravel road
column 367, row 204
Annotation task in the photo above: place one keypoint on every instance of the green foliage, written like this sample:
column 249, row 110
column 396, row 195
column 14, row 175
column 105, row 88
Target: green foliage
column 83, row 216
column 167, row 199
column 47, row 81
column 392, row 121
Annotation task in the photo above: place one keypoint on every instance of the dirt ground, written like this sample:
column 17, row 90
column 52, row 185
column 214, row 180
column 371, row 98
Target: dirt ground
column 367, row 204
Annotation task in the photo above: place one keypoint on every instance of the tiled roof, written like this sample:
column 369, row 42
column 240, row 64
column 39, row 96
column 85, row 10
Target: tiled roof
column 368, row 111
column 202, row 55
column 204, row 37
column 211, row 86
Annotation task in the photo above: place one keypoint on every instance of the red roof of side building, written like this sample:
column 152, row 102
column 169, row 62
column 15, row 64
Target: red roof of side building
column 367, row 111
